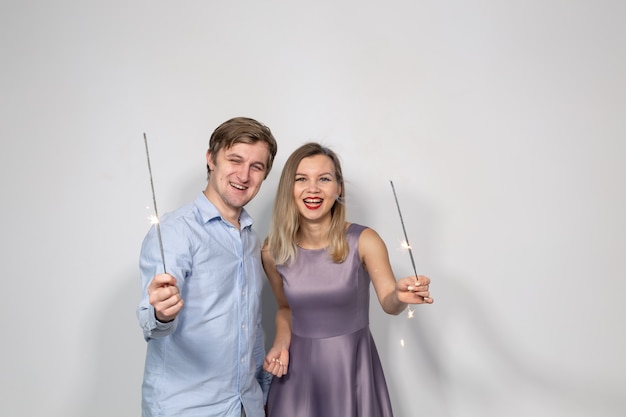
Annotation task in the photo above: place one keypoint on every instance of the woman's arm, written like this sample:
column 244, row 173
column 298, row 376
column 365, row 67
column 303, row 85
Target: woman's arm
column 393, row 295
column 277, row 359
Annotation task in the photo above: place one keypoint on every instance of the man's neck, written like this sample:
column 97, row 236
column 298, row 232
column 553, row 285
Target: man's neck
column 230, row 214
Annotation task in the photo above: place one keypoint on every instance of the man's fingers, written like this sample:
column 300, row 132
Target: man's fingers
column 161, row 294
column 162, row 280
column 173, row 309
column 167, row 309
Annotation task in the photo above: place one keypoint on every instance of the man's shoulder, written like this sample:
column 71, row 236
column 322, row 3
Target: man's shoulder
column 181, row 214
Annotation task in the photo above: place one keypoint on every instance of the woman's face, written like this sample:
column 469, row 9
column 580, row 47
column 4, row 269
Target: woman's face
column 316, row 187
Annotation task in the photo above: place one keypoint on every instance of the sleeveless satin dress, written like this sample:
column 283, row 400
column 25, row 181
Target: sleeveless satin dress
column 334, row 367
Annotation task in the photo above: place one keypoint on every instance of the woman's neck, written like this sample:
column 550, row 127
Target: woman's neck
column 313, row 235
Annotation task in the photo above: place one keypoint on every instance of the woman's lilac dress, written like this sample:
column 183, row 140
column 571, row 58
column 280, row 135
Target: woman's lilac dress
column 334, row 368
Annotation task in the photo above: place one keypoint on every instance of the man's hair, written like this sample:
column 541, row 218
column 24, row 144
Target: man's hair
column 242, row 130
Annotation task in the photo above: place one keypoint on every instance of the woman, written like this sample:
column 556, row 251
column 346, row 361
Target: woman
column 319, row 267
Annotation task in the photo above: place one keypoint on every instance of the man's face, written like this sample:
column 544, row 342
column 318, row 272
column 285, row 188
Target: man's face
column 236, row 175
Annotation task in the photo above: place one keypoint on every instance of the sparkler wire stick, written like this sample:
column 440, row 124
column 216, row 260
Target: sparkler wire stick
column 406, row 238
column 156, row 213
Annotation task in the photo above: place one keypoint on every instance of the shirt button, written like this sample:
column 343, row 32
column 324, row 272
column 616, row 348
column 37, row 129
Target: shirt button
column 243, row 360
column 243, row 326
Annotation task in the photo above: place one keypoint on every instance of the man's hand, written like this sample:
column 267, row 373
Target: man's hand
column 165, row 297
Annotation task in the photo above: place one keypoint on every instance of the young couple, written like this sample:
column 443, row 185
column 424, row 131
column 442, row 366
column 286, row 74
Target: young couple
column 201, row 317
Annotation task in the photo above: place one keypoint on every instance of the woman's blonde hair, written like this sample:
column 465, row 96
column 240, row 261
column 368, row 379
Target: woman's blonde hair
column 285, row 218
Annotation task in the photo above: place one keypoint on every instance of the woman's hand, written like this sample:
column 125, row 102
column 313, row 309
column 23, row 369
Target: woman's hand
column 277, row 361
column 414, row 290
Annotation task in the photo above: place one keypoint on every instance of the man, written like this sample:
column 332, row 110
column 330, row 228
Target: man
column 202, row 319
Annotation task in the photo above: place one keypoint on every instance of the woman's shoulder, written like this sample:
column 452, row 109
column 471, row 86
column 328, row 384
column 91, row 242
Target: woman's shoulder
column 360, row 232
column 356, row 228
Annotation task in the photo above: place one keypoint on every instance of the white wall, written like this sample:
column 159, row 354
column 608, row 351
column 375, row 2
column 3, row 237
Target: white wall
column 501, row 124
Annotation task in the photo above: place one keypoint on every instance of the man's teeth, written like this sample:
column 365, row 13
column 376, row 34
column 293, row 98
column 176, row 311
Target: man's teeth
column 240, row 187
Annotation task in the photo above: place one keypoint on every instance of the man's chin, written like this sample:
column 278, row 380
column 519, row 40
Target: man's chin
column 239, row 202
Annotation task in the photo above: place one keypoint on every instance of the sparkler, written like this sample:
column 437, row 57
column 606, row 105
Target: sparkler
column 155, row 219
column 406, row 238
column 407, row 245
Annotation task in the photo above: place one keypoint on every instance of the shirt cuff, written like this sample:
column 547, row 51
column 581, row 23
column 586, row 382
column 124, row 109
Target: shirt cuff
column 156, row 328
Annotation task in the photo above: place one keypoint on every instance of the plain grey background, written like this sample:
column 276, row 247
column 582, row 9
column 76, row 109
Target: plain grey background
column 501, row 124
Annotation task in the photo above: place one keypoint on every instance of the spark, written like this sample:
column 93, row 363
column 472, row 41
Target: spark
column 410, row 313
column 402, row 342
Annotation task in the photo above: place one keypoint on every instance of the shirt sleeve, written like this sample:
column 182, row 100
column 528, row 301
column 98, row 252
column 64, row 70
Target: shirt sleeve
column 150, row 325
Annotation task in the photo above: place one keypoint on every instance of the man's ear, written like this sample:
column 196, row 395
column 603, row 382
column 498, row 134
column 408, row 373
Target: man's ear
column 209, row 161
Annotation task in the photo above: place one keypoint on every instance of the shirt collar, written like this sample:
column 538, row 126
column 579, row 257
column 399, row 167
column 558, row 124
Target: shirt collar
column 209, row 212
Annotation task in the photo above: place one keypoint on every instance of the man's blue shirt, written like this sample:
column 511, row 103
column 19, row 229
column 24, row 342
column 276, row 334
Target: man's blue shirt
column 208, row 361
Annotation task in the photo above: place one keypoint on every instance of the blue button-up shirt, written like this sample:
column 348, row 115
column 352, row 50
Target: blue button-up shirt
column 208, row 361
